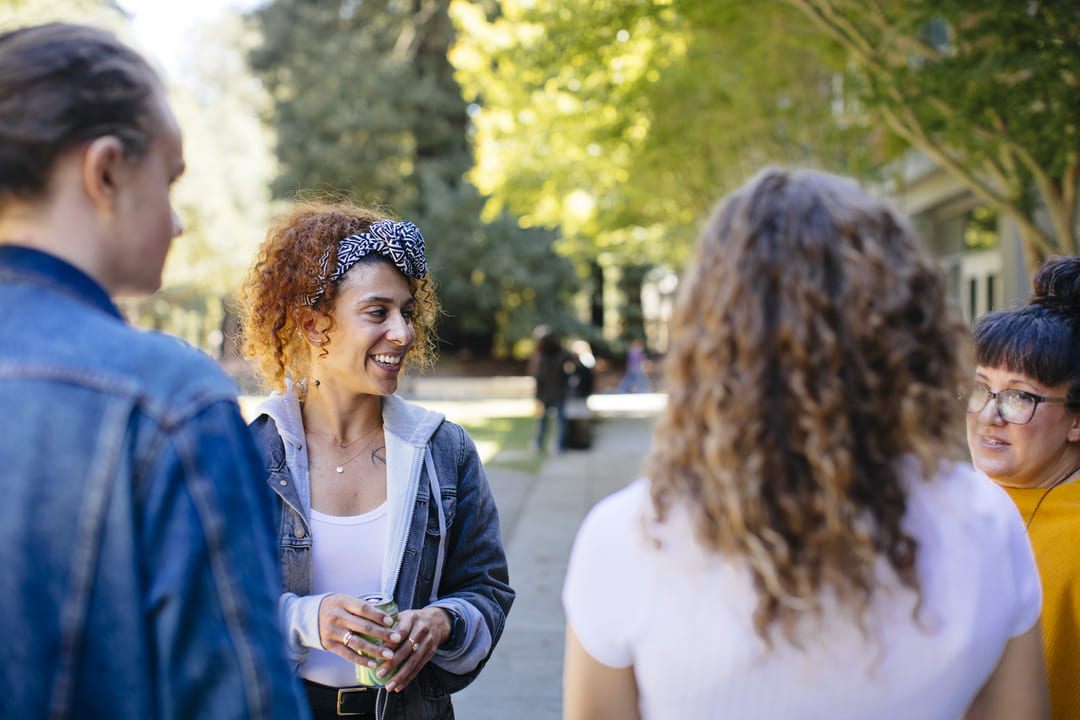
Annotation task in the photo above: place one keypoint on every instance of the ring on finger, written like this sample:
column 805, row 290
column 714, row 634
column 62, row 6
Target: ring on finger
column 415, row 645
column 347, row 638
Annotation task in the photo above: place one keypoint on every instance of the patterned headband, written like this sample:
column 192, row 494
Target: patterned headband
column 401, row 243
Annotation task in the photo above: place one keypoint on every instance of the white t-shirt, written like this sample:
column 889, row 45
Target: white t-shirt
column 682, row 616
column 346, row 557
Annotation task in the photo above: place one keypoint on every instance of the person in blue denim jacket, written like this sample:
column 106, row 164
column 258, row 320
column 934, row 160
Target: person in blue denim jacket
column 377, row 495
column 136, row 540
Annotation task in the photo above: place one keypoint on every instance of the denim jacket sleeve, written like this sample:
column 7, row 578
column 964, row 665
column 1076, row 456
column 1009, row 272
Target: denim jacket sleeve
column 475, row 578
column 212, row 571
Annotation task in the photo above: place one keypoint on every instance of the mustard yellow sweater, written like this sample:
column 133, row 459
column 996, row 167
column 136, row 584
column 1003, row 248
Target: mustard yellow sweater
column 1055, row 537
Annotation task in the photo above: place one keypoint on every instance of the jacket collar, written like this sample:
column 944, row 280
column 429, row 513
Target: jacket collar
column 28, row 262
column 408, row 422
column 284, row 410
column 412, row 423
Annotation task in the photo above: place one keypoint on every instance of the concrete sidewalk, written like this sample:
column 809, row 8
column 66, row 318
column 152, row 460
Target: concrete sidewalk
column 540, row 515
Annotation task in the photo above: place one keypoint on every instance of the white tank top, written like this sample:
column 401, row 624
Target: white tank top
column 347, row 557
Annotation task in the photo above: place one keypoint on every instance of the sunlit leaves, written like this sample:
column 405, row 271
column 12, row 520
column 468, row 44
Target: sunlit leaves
column 631, row 118
column 987, row 88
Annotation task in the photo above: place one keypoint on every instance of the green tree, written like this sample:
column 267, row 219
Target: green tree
column 622, row 122
column 987, row 89
column 223, row 198
column 364, row 100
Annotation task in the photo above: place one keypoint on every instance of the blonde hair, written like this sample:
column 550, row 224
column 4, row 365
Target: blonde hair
column 287, row 272
column 812, row 348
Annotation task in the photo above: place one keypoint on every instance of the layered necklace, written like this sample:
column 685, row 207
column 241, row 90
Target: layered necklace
column 340, row 467
column 1053, row 485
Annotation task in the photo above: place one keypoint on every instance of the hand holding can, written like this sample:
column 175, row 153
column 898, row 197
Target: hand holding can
column 366, row 675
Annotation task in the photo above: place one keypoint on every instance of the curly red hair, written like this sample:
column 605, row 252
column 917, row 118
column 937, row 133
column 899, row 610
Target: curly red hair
column 287, row 272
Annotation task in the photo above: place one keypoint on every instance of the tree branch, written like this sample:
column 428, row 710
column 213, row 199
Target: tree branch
column 1068, row 199
column 871, row 57
column 876, row 14
column 838, row 28
column 914, row 135
column 1060, row 210
column 406, row 42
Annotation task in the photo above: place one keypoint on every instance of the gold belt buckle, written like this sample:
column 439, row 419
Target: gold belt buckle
column 340, row 697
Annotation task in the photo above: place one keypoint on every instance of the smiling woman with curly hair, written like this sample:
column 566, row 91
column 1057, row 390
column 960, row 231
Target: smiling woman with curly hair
column 379, row 499
column 287, row 272
column 805, row 544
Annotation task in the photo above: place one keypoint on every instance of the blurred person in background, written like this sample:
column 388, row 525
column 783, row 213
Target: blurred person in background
column 337, row 304
column 635, row 379
column 1023, row 430
column 802, row 526
column 137, row 541
column 551, row 365
column 581, row 381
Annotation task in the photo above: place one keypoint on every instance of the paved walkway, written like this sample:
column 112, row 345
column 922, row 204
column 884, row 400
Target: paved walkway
column 540, row 515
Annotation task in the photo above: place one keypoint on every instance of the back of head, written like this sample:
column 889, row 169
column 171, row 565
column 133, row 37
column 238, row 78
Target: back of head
column 549, row 344
column 1041, row 339
column 812, row 347
column 62, row 85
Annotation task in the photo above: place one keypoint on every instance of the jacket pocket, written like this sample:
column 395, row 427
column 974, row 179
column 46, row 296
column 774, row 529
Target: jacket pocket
column 430, row 550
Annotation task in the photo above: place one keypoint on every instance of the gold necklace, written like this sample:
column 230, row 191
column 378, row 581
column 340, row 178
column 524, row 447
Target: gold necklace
column 345, row 446
column 341, row 468
column 1057, row 482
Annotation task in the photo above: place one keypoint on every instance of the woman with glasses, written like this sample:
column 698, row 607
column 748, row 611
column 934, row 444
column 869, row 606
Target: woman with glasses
column 801, row 546
column 1023, row 430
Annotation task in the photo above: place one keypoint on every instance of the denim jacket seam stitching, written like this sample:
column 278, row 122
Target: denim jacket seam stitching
column 235, row 610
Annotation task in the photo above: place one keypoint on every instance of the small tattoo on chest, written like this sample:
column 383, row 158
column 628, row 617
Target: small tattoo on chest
column 378, row 456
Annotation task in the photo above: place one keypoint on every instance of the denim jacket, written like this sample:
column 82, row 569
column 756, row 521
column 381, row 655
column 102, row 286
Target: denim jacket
column 137, row 542
column 455, row 561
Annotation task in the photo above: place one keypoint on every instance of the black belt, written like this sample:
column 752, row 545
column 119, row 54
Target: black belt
column 341, row 702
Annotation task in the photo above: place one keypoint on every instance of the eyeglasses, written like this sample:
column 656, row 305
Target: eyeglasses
column 1014, row 406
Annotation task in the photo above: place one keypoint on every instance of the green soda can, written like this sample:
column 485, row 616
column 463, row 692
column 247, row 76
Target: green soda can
column 366, row 675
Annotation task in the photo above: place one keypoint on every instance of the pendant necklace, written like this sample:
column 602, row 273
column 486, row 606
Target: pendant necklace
column 341, row 467
column 1043, row 497
column 346, row 445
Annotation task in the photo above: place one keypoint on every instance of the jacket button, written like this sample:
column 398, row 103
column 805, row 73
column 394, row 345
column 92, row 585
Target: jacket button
column 284, row 482
column 299, row 532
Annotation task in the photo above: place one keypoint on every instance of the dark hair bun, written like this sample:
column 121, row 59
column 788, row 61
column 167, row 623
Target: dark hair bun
column 1057, row 285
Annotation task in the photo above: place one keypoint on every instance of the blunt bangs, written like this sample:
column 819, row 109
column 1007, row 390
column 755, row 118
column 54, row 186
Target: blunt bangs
column 1030, row 340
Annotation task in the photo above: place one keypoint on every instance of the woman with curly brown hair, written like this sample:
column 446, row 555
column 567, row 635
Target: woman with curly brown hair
column 801, row 546
column 338, row 302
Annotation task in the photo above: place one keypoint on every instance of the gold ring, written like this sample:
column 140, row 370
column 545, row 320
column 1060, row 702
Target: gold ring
column 415, row 645
column 348, row 637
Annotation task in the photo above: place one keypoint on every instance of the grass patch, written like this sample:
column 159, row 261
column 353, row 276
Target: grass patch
column 507, row 442
column 503, row 430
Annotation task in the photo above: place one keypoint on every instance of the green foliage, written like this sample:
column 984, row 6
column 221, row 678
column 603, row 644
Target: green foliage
column 987, row 88
column 223, row 198
column 622, row 122
column 364, row 100
column 512, row 437
column 103, row 13
column 981, row 229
